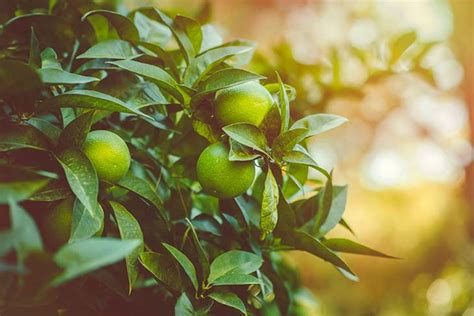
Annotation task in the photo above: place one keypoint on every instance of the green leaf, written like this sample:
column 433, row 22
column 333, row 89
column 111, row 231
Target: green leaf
column 124, row 27
column 210, row 37
column 319, row 123
column 185, row 263
column 18, row 184
column 27, row 236
column 236, row 279
column 239, row 152
column 151, row 31
column 144, row 190
column 45, row 127
column 165, row 56
column 183, row 306
column 84, row 223
column 287, row 141
column 22, row 136
column 163, row 268
column 349, row 246
column 203, row 259
column 155, row 74
column 325, row 203
column 206, row 61
column 234, row 262
column 110, row 49
column 226, row 78
column 284, row 106
column 24, row 86
column 303, row 241
column 344, row 224
column 91, row 254
column 248, row 135
column 76, row 132
column 206, row 130
column 269, row 211
column 188, row 35
column 51, row 71
column 129, row 230
column 338, row 206
column 81, row 176
column 302, row 157
column 229, row 299
column 89, row 99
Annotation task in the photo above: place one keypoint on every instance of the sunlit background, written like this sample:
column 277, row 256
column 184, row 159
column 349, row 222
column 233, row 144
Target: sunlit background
column 406, row 154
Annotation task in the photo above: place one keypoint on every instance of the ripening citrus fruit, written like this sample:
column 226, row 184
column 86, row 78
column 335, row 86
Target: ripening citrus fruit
column 221, row 177
column 56, row 224
column 245, row 103
column 108, row 153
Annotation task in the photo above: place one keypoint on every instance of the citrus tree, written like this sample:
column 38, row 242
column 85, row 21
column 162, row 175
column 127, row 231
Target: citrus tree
column 144, row 171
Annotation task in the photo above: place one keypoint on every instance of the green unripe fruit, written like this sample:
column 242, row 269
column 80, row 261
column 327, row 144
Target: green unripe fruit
column 57, row 222
column 245, row 103
column 221, row 177
column 108, row 153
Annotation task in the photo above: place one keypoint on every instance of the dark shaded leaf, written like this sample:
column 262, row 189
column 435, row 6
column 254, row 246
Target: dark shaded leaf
column 91, row 254
column 229, row 299
column 22, row 136
column 84, row 223
column 124, row 27
column 76, row 132
column 129, row 230
column 269, row 210
column 18, row 184
column 163, row 268
column 349, row 246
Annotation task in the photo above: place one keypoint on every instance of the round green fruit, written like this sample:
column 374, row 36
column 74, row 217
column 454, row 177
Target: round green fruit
column 245, row 103
column 56, row 224
column 108, row 153
column 221, row 177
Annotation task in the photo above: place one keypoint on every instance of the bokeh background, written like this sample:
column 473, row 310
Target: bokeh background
column 407, row 153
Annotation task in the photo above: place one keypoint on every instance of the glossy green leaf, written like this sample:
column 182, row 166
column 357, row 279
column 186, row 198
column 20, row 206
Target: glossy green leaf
column 210, row 37
column 89, row 99
column 163, row 268
column 338, row 206
column 22, row 136
column 76, row 132
column 284, row 106
column 185, row 263
column 151, row 31
column 324, row 206
column 319, row 123
column 155, row 74
column 26, row 233
column 248, row 135
column 129, row 230
column 91, row 254
column 124, row 26
column 303, row 241
column 287, row 141
column 302, row 157
column 236, row 279
column 239, row 152
column 188, row 35
column 349, row 246
column 204, row 62
column 110, row 49
column 286, row 217
column 269, row 210
column 226, row 78
column 81, row 176
column 84, row 223
column 229, row 299
column 54, row 190
column 234, row 262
